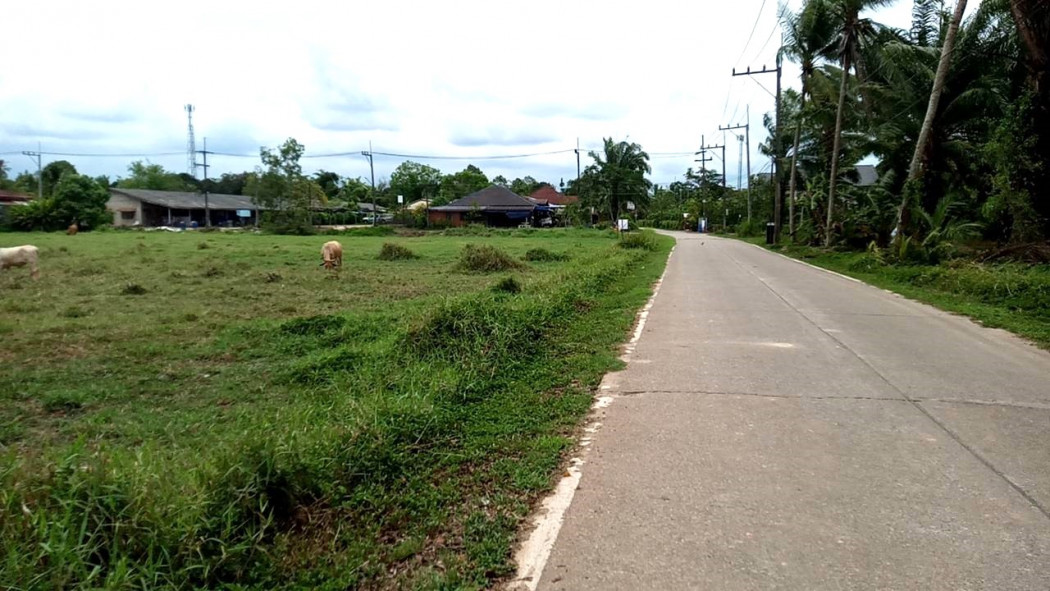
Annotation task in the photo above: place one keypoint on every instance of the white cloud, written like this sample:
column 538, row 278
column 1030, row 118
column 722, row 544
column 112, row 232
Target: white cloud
column 466, row 78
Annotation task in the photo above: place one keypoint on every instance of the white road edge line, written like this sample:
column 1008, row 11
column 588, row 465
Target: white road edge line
column 531, row 556
column 801, row 262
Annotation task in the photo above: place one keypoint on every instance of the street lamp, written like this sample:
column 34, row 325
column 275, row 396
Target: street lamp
column 371, row 169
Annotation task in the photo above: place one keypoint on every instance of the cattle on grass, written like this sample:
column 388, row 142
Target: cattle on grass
column 332, row 255
column 20, row 256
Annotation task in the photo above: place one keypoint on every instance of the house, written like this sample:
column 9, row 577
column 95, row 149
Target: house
column 494, row 205
column 9, row 198
column 866, row 175
column 553, row 198
column 142, row 207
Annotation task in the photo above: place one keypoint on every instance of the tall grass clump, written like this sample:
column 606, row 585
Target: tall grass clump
column 486, row 258
column 645, row 240
column 541, row 255
column 395, row 252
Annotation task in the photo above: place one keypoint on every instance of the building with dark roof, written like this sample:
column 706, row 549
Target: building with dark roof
column 553, row 197
column 142, row 207
column 493, row 205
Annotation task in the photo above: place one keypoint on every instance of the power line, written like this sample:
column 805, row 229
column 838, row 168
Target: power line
column 758, row 17
column 99, row 155
column 768, row 39
column 502, row 157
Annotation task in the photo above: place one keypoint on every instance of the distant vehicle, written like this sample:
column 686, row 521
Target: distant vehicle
column 384, row 218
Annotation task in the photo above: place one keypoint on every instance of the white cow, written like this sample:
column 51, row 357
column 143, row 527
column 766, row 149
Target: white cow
column 20, row 256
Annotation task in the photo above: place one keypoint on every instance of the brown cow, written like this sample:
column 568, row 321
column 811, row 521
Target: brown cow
column 332, row 255
column 20, row 256
column 73, row 229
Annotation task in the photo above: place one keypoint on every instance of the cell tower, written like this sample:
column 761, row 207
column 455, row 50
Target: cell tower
column 191, row 144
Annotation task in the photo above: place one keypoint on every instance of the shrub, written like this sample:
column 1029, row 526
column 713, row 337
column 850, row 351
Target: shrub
column 202, row 246
column 752, row 228
column 371, row 231
column 507, row 285
column 395, row 252
column 643, row 240
column 544, row 255
column 486, row 259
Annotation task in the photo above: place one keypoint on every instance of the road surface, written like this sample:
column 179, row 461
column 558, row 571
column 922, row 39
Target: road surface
column 782, row 427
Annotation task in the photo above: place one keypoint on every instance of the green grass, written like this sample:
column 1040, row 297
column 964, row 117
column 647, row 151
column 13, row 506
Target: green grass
column 1012, row 296
column 243, row 418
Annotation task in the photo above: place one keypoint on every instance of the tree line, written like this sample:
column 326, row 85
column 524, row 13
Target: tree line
column 956, row 111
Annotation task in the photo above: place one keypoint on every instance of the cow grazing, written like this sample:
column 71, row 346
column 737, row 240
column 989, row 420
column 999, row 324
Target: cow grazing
column 73, row 229
column 332, row 255
column 20, row 256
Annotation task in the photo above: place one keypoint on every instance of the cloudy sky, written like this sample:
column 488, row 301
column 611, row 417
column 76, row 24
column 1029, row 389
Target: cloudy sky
column 454, row 79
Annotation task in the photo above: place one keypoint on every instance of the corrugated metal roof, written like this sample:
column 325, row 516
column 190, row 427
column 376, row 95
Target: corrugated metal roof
column 187, row 200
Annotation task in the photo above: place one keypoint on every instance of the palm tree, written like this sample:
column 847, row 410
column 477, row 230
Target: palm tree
column 853, row 32
column 618, row 175
column 915, row 169
column 1033, row 26
column 808, row 35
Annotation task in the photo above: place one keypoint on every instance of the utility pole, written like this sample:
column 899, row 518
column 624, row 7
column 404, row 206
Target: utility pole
column 372, row 169
column 703, row 150
column 577, row 165
column 777, row 195
column 747, row 135
column 703, row 160
column 579, row 191
column 207, row 210
column 39, row 170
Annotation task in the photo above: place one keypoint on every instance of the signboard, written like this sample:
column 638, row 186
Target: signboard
column 244, row 213
column 630, row 206
column 622, row 225
column 400, row 199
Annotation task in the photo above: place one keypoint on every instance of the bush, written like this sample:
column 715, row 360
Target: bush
column 395, row 252
column 752, row 228
column 644, row 240
column 486, row 259
column 290, row 222
column 371, row 231
column 507, row 285
column 544, row 255
column 75, row 198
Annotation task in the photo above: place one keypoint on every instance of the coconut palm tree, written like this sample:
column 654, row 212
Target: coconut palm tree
column 915, row 169
column 852, row 33
column 808, row 36
column 618, row 175
column 1033, row 26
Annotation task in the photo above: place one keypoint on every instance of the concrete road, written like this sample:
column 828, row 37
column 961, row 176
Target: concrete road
column 782, row 427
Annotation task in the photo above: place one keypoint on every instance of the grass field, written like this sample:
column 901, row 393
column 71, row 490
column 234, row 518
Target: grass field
column 215, row 410
column 1012, row 296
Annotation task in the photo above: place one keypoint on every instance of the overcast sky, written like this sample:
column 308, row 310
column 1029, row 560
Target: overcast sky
column 463, row 78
